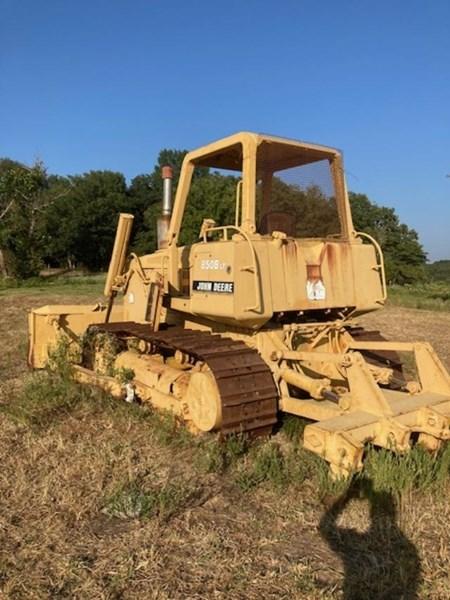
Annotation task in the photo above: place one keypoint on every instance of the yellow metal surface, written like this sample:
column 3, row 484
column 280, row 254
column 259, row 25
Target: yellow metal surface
column 119, row 253
column 203, row 400
column 47, row 323
column 250, row 283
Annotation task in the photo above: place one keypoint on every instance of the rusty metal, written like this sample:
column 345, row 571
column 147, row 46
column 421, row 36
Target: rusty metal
column 247, row 389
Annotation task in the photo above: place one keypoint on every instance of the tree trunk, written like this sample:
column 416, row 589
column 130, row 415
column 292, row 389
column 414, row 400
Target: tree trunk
column 3, row 270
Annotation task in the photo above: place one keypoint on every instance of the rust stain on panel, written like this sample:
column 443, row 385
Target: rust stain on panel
column 313, row 272
column 290, row 249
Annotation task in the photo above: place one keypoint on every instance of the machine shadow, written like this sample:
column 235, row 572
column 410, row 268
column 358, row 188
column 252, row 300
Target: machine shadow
column 380, row 563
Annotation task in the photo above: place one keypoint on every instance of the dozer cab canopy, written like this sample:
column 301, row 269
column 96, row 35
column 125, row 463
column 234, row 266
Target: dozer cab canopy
column 274, row 176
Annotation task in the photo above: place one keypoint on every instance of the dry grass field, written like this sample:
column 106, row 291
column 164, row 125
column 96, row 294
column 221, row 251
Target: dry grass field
column 102, row 500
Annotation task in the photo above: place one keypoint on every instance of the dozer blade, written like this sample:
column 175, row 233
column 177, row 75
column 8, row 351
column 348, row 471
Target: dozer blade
column 341, row 440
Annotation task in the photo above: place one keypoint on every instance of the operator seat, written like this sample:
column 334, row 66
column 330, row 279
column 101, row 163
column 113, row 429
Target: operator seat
column 278, row 221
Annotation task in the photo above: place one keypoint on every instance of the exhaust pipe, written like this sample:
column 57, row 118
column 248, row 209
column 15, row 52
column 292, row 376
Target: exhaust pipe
column 164, row 220
column 167, row 177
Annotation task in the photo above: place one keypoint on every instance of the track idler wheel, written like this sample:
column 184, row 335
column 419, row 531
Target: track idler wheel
column 203, row 399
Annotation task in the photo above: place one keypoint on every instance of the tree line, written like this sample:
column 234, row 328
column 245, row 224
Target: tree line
column 439, row 270
column 50, row 220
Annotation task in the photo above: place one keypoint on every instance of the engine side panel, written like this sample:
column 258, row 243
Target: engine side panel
column 244, row 282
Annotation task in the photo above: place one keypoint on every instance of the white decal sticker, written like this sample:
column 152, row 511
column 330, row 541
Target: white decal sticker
column 131, row 298
column 315, row 290
column 221, row 287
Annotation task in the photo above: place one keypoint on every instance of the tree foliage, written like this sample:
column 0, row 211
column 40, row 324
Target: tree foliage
column 439, row 270
column 86, row 217
column 211, row 196
column 23, row 200
column 404, row 256
column 71, row 221
column 312, row 212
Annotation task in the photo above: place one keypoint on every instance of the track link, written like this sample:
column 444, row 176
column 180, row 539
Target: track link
column 248, row 392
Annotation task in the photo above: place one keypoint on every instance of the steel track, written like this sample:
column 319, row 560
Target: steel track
column 248, row 392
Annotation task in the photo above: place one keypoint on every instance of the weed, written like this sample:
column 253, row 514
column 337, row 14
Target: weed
column 418, row 469
column 210, row 456
column 99, row 351
column 168, row 429
column 49, row 393
column 293, row 427
column 216, row 456
column 326, row 484
column 133, row 501
column 44, row 397
column 124, row 375
column 266, row 464
column 235, row 446
column 62, row 356
column 393, row 473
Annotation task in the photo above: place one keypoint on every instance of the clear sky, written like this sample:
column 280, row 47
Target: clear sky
column 105, row 84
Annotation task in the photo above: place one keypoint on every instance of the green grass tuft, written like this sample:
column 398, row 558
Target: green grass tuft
column 418, row 469
column 44, row 398
column 133, row 501
column 217, row 455
column 266, row 464
column 293, row 427
column 168, row 429
column 279, row 467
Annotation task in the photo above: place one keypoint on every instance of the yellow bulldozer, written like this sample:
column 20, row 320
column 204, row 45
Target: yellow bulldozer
column 258, row 316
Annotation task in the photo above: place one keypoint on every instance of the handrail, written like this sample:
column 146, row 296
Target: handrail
column 139, row 269
column 253, row 268
column 238, row 202
column 380, row 266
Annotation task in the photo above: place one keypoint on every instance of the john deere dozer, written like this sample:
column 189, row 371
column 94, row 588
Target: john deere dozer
column 258, row 316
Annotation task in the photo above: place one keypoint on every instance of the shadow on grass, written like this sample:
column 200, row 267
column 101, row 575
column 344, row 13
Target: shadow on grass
column 380, row 563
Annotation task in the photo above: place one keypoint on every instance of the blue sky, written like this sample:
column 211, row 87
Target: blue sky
column 105, row 84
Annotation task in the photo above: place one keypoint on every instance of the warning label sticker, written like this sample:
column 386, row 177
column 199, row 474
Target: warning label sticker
column 315, row 290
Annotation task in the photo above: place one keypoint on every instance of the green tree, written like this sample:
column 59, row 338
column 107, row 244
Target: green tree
column 211, row 196
column 84, row 220
column 145, row 205
column 404, row 256
column 312, row 212
column 439, row 270
column 57, row 229
column 72, row 220
column 24, row 199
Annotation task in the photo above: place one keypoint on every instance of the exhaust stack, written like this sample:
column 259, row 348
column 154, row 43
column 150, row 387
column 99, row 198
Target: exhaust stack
column 164, row 219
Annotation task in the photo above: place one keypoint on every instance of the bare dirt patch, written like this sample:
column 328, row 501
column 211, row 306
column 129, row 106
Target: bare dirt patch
column 409, row 324
column 95, row 504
